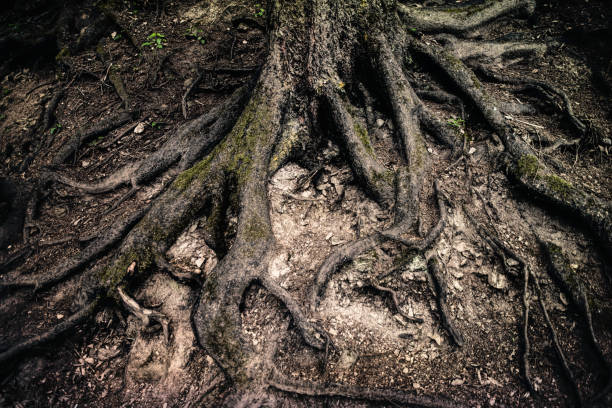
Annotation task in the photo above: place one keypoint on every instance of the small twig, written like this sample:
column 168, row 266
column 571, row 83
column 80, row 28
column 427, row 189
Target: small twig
column 393, row 295
column 193, row 84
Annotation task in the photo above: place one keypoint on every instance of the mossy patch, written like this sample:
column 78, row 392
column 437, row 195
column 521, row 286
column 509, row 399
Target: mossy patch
column 237, row 150
column 558, row 185
column 362, row 133
column 113, row 276
column 528, row 166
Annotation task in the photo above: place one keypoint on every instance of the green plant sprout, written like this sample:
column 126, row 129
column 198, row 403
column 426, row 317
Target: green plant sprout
column 456, row 122
column 196, row 33
column 96, row 141
column 56, row 128
column 259, row 11
column 155, row 40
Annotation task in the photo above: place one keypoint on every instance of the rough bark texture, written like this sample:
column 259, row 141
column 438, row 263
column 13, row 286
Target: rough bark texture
column 317, row 52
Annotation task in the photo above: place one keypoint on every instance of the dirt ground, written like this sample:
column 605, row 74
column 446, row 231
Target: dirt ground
column 110, row 361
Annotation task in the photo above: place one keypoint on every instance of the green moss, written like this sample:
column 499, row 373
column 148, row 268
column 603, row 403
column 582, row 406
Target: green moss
column 238, row 148
column 558, row 185
column 255, row 228
column 528, row 166
column 388, row 177
column 113, row 276
column 362, row 133
column 63, row 54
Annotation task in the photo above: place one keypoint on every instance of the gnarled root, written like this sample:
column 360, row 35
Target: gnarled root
column 144, row 314
column 26, row 346
column 461, row 20
column 442, row 294
column 359, row 393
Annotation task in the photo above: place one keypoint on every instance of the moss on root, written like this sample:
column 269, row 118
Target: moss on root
column 528, row 166
column 113, row 276
column 362, row 133
column 558, row 185
column 235, row 153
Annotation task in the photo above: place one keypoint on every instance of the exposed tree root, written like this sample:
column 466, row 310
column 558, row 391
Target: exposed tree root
column 461, row 20
column 378, row 180
column 393, row 294
column 488, row 50
column 106, row 241
column 365, row 394
column 25, row 346
column 84, row 136
column 144, row 314
column 442, row 294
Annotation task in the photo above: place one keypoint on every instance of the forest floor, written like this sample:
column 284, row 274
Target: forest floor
column 109, row 362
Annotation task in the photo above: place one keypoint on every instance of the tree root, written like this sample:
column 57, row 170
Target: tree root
column 144, row 314
column 489, row 50
column 393, row 294
column 102, row 244
column 25, row 346
column 442, row 294
column 191, row 141
column 359, row 393
column 377, row 180
column 84, row 136
column 314, row 337
column 576, row 293
column 464, row 19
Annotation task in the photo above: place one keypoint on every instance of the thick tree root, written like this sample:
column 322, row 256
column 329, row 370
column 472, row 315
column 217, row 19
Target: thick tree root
column 25, row 346
column 377, row 180
column 145, row 315
column 463, row 19
column 365, row 394
column 190, row 142
column 106, row 241
column 488, row 50
column 442, row 294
